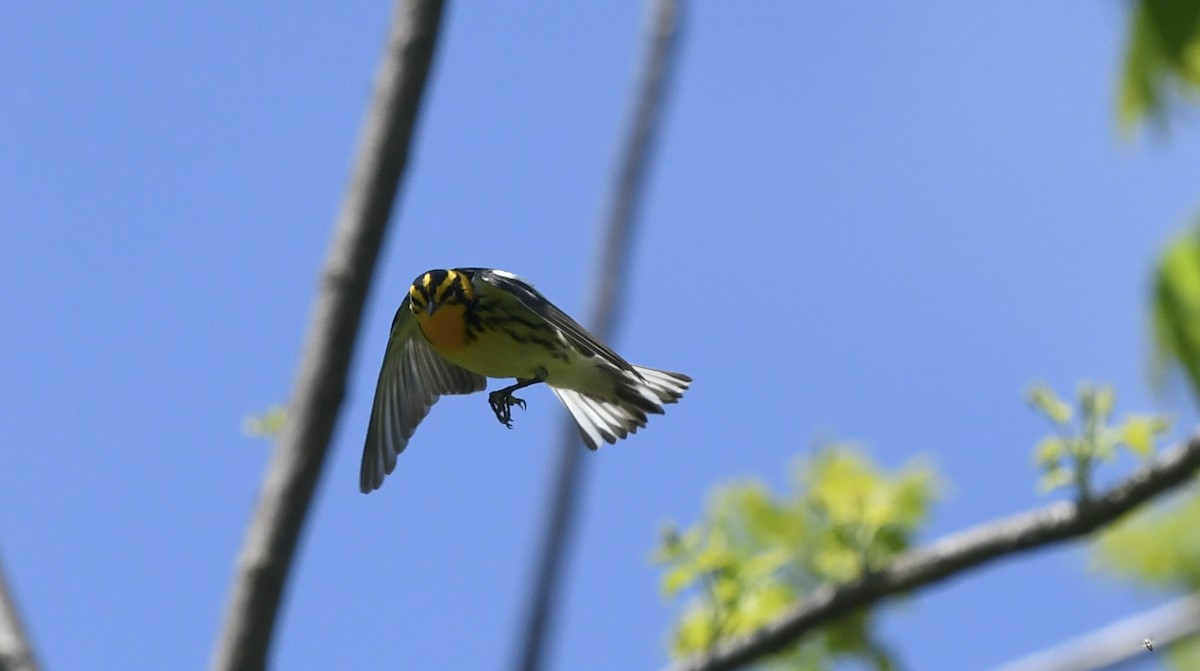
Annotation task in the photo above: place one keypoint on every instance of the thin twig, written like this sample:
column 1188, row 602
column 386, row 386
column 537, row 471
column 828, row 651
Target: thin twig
column 613, row 262
column 954, row 554
column 16, row 651
column 1119, row 642
column 320, row 382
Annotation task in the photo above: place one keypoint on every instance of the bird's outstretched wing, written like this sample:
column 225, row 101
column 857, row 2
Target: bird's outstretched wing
column 412, row 378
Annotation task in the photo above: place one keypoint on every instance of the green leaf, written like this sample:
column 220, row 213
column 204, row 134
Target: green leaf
column 1138, row 432
column 1177, row 306
column 1162, row 60
column 714, row 557
column 1097, row 401
column 1043, row 398
column 676, row 579
column 1049, row 452
column 694, row 633
column 760, row 605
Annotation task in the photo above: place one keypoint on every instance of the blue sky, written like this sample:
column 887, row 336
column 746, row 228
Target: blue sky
column 869, row 221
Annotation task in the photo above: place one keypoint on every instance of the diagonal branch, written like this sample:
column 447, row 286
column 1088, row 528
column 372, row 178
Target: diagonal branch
column 16, row 652
column 954, row 554
column 614, row 260
column 320, row 382
column 1119, row 642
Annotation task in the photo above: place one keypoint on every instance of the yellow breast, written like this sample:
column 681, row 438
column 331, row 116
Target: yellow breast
column 446, row 328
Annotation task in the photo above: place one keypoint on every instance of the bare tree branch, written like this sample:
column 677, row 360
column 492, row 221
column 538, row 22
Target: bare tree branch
column 613, row 262
column 320, row 382
column 954, row 554
column 1119, row 642
column 16, row 652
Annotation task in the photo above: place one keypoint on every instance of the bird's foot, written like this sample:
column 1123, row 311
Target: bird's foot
column 502, row 402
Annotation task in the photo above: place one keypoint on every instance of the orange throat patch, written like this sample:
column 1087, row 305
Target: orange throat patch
column 446, row 328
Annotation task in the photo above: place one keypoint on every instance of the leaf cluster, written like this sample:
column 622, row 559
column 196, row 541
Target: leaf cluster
column 1159, row 549
column 756, row 552
column 1084, row 436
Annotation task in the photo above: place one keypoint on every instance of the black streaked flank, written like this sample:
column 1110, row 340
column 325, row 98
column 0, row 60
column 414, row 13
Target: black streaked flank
column 575, row 334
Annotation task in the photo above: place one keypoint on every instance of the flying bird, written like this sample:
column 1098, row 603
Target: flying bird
column 458, row 327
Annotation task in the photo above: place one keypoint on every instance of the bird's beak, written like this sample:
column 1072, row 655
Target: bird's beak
column 430, row 307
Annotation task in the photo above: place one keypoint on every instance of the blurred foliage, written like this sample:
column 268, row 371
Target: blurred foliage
column 1184, row 654
column 266, row 425
column 1176, row 309
column 1159, row 549
column 1162, row 60
column 1084, row 438
column 755, row 553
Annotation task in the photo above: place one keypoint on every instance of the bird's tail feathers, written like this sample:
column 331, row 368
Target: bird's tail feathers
column 664, row 384
column 640, row 393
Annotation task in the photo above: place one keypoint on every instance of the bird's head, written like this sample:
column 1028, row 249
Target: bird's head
column 438, row 288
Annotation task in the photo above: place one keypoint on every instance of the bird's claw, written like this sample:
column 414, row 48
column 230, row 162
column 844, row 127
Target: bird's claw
column 502, row 403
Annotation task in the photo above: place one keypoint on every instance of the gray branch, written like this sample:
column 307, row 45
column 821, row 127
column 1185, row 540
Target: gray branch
column 952, row 555
column 613, row 263
column 1119, row 642
column 320, row 382
column 16, row 652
